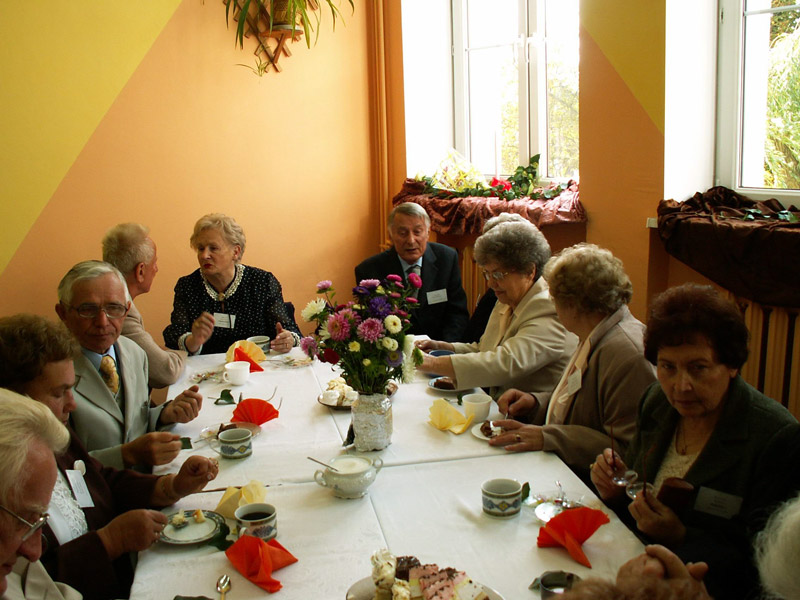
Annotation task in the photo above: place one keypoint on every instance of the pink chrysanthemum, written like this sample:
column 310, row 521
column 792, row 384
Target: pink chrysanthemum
column 370, row 330
column 394, row 278
column 324, row 285
column 415, row 280
column 309, row 346
column 338, row 327
column 394, row 295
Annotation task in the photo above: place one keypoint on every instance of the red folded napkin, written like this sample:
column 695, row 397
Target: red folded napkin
column 254, row 410
column 256, row 559
column 570, row 529
column 239, row 354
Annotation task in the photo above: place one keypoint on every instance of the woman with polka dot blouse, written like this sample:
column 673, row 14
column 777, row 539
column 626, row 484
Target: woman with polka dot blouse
column 224, row 301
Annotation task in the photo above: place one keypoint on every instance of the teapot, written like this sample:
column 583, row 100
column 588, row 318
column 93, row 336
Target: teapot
column 352, row 477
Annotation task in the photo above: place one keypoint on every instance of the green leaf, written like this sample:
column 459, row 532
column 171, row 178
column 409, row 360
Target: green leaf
column 225, row 397
column 526, row 491
column 221, row 541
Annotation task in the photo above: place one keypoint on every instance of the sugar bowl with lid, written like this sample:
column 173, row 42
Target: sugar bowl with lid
column 351, row 477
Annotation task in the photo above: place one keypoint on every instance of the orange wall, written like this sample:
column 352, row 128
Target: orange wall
column 288, row 155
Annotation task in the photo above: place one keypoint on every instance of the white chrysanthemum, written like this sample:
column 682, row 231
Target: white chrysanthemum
column 409, row 369
column 323, row 332
column 393, row 324
column 389, row 343
column 312, row 309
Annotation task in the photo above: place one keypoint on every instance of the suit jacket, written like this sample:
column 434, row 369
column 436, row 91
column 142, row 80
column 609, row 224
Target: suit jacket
column 530, row 355
column 616, row 376
column 164, row 365
column 83, row 562
column 98, row 420
column 30, row 581
column 746, row 457
column 440, row 270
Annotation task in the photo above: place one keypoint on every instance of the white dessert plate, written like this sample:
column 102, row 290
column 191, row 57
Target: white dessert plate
column 476, row 431
column 194, row 532
column 364, row 589
column 210, row 432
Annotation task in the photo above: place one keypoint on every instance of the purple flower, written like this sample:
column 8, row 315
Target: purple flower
column 324, row 285
column 394, row 278
column 415, row 280
column 309, row 346
column 370, row 284
column 394, row 358
column 370, row 330
column 338, row 327
column 360, row 290
column 380, row 307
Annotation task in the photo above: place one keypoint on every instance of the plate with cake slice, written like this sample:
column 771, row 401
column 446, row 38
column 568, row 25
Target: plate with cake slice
column 191, row 527
column 446, row 385
column 364, row 589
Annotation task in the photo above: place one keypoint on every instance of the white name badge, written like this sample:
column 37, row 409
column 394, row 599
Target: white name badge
column 437, row 296
column 224, row 320
column 719, row 504
column 79, row 489
column 574, row 381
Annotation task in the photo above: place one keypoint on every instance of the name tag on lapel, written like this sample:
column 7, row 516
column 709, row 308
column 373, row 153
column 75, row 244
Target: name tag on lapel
column 719, row 504
column 574, row 381
column 437, row 296
column 79, row 489
column 224, row 320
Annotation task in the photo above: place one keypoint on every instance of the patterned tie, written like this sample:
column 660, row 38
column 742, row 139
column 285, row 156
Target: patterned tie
column 108, row 371
column 416, row 270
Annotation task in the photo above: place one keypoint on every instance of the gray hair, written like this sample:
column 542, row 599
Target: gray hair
column 128, row 245
column 411, row 209
column 588, row 278
column 503, row 218
column 22, row 421
column 518, row 246
column 228, row 228
column 776, row 550
column 88, row 269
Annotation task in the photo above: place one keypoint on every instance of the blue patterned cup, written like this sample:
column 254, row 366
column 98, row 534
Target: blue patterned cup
column 258, row 520
column 501, row 497
column 234, row 443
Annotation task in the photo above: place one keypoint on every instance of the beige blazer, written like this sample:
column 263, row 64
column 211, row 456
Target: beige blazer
column 531, row 354
column 616, row 376
column 30, row 581
column 98, row 420
column 165, row 366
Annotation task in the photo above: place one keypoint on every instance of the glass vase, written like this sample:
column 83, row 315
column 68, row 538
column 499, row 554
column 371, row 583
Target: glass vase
column 372, row 422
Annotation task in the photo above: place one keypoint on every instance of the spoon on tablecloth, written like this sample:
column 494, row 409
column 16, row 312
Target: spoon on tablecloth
column 223, row 586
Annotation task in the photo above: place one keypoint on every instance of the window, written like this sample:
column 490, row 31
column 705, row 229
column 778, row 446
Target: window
column 512, row 78
column 758, row 116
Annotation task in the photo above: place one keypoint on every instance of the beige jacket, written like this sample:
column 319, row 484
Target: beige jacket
column 165, row 366
column 30, row 581
column 530, row 355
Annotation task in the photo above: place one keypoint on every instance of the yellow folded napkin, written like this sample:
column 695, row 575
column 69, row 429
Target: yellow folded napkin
column 234, row 497
column 252, row 350
column 446, row 417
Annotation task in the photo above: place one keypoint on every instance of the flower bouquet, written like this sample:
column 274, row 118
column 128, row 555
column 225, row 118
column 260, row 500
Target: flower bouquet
column 367, row 337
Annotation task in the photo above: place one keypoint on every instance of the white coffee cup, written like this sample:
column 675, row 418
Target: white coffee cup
column 237, row 372
column 477, row 405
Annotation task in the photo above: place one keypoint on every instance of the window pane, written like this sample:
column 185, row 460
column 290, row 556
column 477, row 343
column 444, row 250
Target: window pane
column 770, row 151
column 562, row 88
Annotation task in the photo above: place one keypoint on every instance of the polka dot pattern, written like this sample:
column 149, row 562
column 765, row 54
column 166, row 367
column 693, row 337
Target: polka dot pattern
column 257, row 302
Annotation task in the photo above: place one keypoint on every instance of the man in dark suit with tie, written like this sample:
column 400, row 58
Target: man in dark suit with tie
column 442, row 312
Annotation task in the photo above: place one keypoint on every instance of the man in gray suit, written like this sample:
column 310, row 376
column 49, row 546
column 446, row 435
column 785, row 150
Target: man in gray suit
column 114, row 418
column 130, row 249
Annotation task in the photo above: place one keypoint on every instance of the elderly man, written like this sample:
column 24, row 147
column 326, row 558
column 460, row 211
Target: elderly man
column 442, row 312
column 113, row 414
column 29, row 435
column 130, row 249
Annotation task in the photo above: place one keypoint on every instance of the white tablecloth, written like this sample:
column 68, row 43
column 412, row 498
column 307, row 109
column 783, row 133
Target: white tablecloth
column 425, row 501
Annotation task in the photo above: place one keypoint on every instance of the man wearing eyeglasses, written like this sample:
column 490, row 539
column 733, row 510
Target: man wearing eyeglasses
column 26, row 483
column 114, row 418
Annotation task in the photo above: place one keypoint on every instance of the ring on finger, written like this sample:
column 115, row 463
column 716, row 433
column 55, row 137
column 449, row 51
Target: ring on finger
column 519, row 438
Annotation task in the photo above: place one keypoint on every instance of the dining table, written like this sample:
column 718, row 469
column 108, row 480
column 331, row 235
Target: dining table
column 425, row 500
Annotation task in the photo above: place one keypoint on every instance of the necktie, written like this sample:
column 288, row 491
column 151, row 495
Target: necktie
column 416, row 270
column 108, row 371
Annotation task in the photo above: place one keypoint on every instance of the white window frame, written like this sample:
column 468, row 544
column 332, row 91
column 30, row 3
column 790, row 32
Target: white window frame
column 730, row 69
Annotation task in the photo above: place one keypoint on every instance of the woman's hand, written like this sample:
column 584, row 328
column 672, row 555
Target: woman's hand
column 515, row 403
column 601, row 471
column 284, row 340
column 202, row 328
column 132, row 531
column 656, row 520
column 428, row 345
column 195, row 473
column 183, row 408
column 518, row 437
column 661, row 563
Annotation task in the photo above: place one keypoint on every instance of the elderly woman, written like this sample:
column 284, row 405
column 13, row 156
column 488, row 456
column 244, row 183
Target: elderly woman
column 89, row 535
column 594, row 405
column 524, row 345
column 702, row 423
column 777, row 548
column 224, row 301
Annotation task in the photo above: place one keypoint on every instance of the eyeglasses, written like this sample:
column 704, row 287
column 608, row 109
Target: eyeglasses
column 90, row 311
column 496, row 275
column 32, row 527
